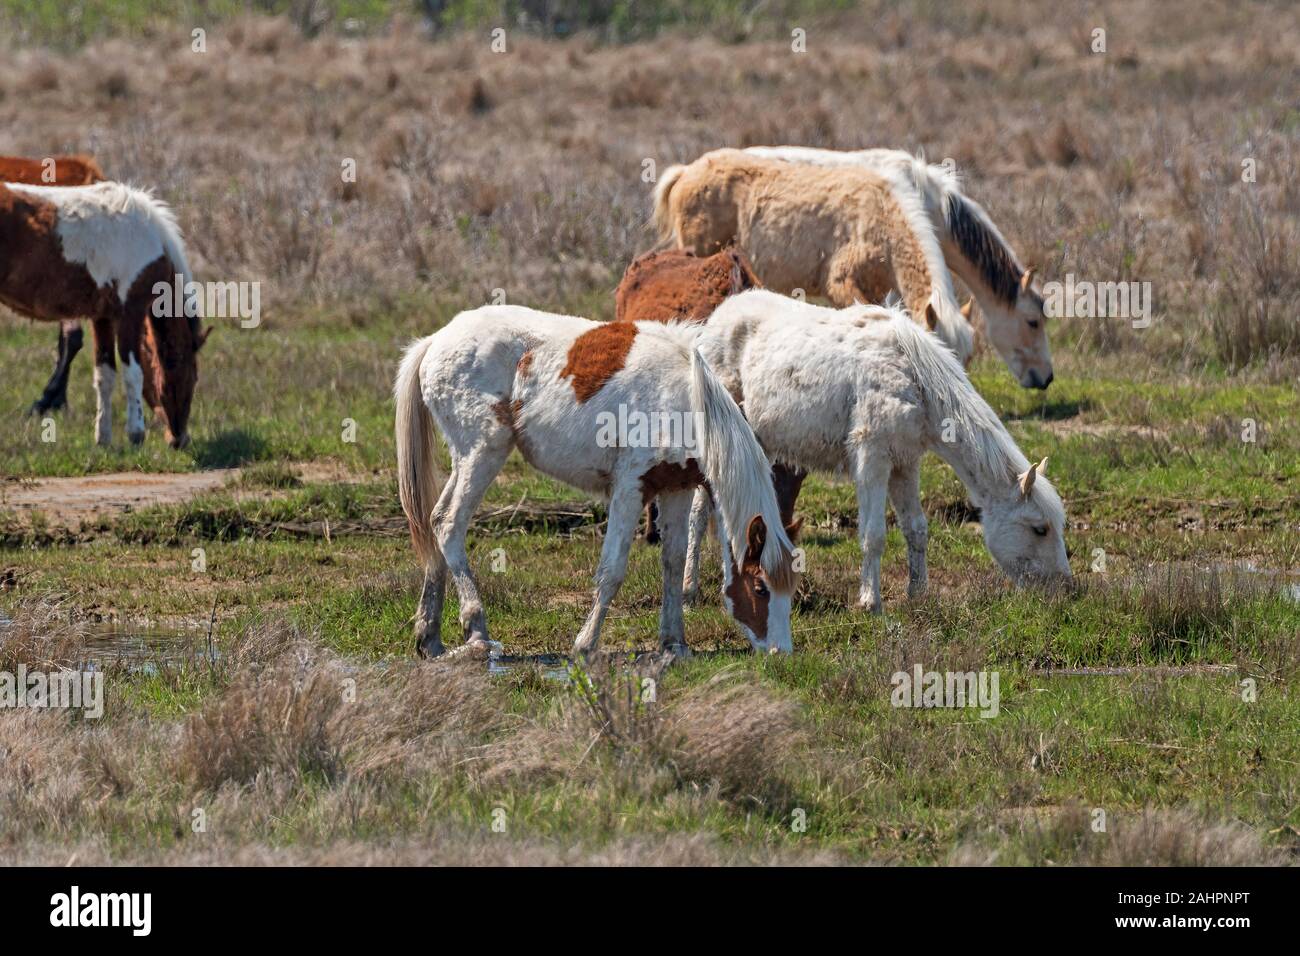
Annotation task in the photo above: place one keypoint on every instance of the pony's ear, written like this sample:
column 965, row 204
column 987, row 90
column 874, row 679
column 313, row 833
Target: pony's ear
column 203, row 336
column 967, row 309
column 931, row 317
column 1026, row 480
column 792, row 530
column 755, row 539
column 1027, row 278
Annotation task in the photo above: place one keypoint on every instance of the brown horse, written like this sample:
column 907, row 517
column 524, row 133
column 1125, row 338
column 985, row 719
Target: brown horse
column 55, row 171
column 673, row 284
column 100, row 252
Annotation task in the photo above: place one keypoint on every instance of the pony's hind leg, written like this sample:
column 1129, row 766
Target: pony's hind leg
column 905, row 493
column 624, row 510
column 428, row 615
column 105, row 379
column 471, row 474
column 871, row 476
column 55, row 395
column 698, row 526
column 674, row 513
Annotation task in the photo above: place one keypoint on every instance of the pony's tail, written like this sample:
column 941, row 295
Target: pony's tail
column 662, row 218
column 419, row 480
column 739, row 474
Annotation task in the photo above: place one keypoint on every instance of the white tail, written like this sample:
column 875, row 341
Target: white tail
column 662, row 216
column 419, row 480
column 738, row 473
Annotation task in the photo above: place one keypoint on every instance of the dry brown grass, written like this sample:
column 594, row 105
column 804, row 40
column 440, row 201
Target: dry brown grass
column 522, row 170
column 1150, row 838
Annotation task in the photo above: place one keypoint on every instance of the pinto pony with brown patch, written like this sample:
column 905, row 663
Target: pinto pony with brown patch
column 627, row 411
column 55, row 171
column 99, row 251
column 851, row 234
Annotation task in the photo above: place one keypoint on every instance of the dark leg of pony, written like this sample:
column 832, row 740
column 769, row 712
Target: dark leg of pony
column 651, row 530
column 55, row 395
column 786, row 482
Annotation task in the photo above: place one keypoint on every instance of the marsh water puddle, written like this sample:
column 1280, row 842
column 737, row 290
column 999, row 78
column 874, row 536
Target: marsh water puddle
column 146, row 650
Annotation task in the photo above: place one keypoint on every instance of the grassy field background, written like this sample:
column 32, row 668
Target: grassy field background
column 315, row 737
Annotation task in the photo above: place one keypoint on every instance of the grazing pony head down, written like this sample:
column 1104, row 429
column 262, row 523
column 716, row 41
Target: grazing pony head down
column 758, row 601
column 1014, row 318
column 111, row 253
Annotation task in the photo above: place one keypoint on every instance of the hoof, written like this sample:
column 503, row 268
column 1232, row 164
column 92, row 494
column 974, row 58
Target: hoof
column 428, row 647
column 678, row 651
column 136, row 438
column 872, row 607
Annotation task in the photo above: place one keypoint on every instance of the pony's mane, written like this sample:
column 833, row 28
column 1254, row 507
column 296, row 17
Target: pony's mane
column 952, row 325
column 948, row 394
column 738, row 471
column 983, row 246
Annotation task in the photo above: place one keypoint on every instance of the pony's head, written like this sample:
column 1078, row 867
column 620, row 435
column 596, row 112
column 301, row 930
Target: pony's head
column 170, row 349
column 1024, row 528
column 760, row 601
column 1019, row 333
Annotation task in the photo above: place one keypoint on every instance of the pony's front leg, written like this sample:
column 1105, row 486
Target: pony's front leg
column 129, row 333
column 105, row 379
column 871, row 475
column 674, row 513
column 701, row 507
column 905, row 492
column 620, row 529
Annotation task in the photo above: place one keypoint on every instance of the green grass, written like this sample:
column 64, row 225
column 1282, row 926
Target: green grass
column 1171, row 509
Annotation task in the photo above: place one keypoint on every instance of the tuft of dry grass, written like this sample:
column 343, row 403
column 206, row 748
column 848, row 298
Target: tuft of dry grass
column 1148, row 838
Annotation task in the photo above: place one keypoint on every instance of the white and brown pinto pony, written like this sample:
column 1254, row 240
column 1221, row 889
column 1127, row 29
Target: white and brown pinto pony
column 55, row 171
column 865, row 390
column 973, row 249
column 504, row 377
column 97, row 252
column 850, row 234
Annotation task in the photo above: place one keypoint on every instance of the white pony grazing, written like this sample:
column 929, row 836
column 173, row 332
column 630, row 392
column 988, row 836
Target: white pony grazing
column 864, row 389
column 973, row 248
column 624, row 410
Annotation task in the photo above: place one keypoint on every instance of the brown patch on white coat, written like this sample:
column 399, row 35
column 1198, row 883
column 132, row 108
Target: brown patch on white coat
column 596, row 356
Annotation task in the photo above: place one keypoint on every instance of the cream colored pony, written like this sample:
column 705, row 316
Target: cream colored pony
column 973, row 249
column 850, row 234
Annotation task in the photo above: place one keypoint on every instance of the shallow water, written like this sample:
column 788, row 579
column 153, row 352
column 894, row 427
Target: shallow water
column 146, row 650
